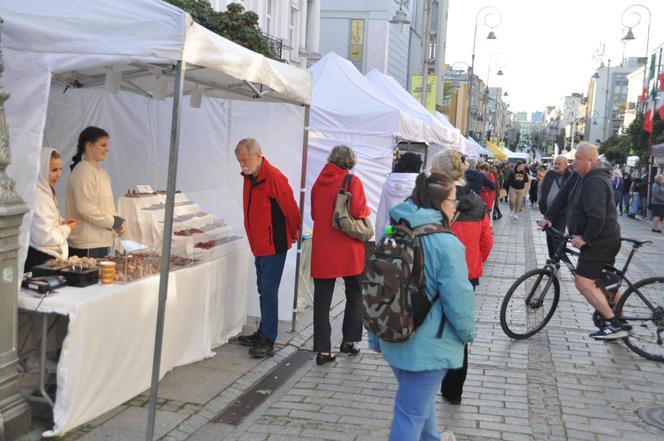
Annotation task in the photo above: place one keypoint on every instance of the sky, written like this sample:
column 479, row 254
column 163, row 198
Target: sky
column 551, row 48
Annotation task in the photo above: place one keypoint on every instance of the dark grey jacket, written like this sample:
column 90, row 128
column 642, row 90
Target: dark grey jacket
column 590, row 204
column 546, row 186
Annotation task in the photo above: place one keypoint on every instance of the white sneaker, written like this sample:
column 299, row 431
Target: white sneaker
column 516, row 216
column 447, row 436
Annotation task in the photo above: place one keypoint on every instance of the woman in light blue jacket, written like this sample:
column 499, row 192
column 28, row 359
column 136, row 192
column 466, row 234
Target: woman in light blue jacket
column 421, row 362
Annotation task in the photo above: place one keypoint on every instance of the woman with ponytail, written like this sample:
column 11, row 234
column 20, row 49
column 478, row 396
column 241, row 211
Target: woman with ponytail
column 90, row 197
column 420, row 363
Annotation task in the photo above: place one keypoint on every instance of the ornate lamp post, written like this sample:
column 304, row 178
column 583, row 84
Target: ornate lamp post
column 489, row 11
column 629, row 35
column 15, row 418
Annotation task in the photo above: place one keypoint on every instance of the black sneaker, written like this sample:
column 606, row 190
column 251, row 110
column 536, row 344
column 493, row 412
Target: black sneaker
column 263, row 348
column 609, row 331
column 249, row 340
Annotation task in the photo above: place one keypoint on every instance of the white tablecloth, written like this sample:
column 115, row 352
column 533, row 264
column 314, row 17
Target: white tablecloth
column 106, row 357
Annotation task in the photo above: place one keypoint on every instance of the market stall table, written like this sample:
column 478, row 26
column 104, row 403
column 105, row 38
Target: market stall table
column 106, row 357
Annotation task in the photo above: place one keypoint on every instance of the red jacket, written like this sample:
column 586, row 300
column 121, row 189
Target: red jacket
column 473, row 229
column 333, row 253
column 271, row 216
column 488, row 196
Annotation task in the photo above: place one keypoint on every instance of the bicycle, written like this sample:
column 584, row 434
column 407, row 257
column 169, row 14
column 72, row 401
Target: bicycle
column 530, row 303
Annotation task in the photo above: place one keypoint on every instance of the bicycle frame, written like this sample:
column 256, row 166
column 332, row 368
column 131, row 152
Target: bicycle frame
column 562, row 253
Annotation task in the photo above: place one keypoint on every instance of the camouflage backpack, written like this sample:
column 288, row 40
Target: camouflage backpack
column 393, row 284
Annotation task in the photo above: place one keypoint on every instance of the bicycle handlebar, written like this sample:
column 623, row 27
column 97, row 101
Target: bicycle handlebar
column 554, row 232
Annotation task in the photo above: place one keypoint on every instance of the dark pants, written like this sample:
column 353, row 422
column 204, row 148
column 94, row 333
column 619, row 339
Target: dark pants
column 551, row 243
column 452, row 385
column 35, row 257
column 268, row 278
column 352, row 326
column 97, row 253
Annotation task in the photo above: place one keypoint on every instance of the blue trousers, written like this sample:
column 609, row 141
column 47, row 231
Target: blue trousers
column 415, row 405
column 268, row 277
column 635, row 203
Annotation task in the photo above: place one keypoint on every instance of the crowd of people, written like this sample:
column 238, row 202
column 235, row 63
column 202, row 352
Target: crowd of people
column 463, row 196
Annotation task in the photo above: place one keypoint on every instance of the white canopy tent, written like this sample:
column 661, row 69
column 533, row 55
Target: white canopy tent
column 57, row 55
column 468, row 147
column 347, row 109
column 398, row 96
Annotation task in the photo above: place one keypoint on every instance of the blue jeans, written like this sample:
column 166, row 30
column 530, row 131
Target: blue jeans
column 415, row 405
column 635, row 204
column 625, row 204
column 268, row 277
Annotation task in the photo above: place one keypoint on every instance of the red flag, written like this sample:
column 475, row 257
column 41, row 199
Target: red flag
column 660, row 106
column 661, row 112
column 647, row 122
column 661, row 81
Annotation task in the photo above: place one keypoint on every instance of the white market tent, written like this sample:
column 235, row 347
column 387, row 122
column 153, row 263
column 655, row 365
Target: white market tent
column 438, row 133
column 516, row 155
column 56, row 57
column 347, row 109
column 468, row 147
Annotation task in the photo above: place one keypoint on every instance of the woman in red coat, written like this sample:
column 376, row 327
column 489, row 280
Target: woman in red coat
column 335, row 254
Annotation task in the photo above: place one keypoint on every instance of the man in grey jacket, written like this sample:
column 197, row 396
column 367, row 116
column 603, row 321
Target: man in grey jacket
column 592, row 223
column 553, row 182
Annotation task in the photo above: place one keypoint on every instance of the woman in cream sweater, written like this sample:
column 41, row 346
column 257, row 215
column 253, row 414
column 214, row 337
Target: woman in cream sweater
column 48, row 231
column 90, row 197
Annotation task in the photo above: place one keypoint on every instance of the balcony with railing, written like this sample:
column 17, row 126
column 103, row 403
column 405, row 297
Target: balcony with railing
column 276, row 44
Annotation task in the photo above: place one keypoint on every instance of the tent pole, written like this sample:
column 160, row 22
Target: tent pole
column 303, row 190
column 166, row 245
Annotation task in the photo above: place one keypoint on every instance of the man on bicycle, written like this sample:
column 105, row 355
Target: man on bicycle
column 592, row 223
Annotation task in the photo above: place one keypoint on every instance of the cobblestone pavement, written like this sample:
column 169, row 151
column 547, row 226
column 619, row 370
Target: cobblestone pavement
column 558, row 385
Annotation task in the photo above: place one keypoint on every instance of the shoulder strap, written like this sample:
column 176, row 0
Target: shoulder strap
column 426, row 229
column 345, row 184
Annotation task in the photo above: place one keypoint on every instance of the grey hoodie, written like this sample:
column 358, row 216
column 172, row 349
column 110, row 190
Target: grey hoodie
column 591, row 209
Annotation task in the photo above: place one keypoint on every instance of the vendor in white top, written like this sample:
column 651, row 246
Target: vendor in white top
column 48, row 231
column 90, row 197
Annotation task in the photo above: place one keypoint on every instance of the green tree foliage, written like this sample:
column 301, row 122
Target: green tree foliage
column 634, row 141
column 235, row 24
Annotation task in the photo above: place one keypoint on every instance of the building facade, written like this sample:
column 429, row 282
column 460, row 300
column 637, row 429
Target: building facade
column 361, row 32
column 607, row 100
column 293, row 26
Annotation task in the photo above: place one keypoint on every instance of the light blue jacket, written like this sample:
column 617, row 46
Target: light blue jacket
column 446, row 271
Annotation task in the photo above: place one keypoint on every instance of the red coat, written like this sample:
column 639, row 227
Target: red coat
column 333, row 253
column 488, row 196
column 473, row 229
column 271, row 216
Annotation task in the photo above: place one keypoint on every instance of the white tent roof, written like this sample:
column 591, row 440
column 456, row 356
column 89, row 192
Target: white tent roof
column 344, row 101
column 135, row 32
column 398, row 96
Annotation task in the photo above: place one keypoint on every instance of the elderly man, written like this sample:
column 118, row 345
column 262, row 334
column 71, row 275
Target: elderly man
column 592, row 222
column 272, row 223
column 553, row 181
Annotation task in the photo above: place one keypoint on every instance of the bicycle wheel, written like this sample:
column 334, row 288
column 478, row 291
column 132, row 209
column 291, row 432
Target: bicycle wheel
column 529, row 303
column 647, row 321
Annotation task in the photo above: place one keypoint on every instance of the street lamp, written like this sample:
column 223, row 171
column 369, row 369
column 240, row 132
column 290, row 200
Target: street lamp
column 606, row 99
column 490, row 11
column 501, row 62
column 630, row 35
column 401, row 18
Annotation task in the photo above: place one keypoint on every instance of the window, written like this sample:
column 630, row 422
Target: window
column 268, row 16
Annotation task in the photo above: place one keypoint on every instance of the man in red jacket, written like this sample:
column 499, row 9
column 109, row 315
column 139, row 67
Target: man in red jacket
column 272, row 223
